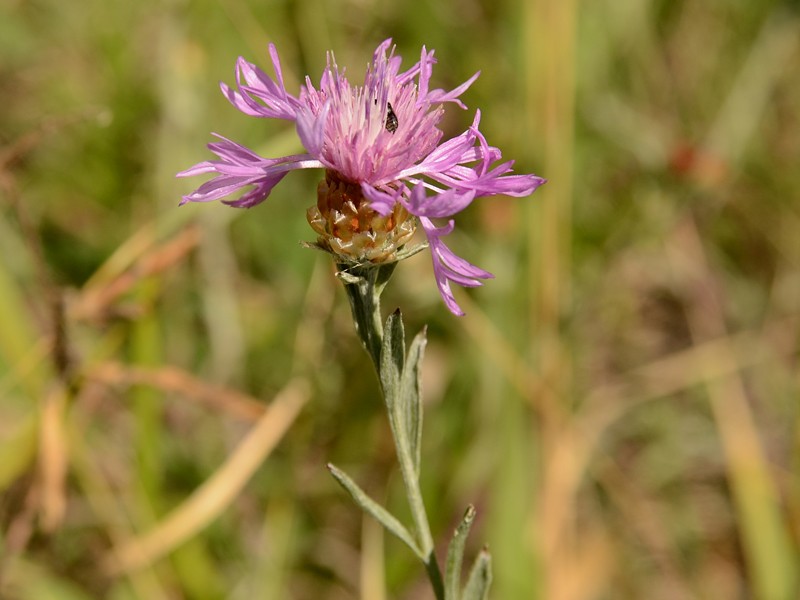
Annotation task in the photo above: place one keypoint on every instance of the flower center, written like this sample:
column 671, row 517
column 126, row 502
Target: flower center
column 349, row 228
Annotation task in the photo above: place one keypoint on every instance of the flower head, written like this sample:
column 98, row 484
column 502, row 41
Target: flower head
column 383, row 157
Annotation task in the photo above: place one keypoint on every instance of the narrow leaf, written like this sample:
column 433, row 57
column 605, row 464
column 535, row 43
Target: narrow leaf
column 393, row 353
column 455, row 556
column 411, row 397
column 480, row 578
column 348, row 278
column 379, row 513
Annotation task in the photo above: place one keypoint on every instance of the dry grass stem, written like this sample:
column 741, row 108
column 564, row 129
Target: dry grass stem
column 219, row 490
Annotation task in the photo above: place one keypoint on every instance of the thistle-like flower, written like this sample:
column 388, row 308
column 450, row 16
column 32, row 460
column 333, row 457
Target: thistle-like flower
column 384, row 164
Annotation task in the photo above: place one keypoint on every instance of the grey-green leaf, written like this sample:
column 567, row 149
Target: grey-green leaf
column 455, row 556
column 380, row 514
column 393, row 353
column 480, row 578
column 349, row 278
column 411, row 397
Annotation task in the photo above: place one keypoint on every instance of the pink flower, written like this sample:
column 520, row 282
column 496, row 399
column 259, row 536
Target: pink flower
column 381, row 136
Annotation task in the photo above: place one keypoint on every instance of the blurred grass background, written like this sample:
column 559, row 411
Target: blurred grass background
column 621, row 403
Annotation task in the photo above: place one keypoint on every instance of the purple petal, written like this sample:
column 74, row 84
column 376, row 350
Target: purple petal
column 276, row 65
column 252, row 81
column 258, row 194
column 381, row 202
column 381, row 50
column 444, row 204
column 217, row 188
column 198, row 169
column 239, row 168
column 447, row 267
column 450, row 153
column 517, row 186
column 440, row 96
column 425, row 66
column 311, row 129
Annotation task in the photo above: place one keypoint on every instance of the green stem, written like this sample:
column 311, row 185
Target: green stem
column 365, row 304
column 417, row 506
column 363, row 287
column 435, row 575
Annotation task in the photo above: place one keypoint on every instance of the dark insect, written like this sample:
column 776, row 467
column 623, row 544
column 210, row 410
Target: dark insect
column 391, row 119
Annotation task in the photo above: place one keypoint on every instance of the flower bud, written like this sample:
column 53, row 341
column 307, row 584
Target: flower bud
column 350, row 229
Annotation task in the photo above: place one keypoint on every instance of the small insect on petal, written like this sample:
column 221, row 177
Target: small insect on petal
column 391, row 119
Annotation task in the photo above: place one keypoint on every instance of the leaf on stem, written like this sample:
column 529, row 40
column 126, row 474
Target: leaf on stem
column 393, row 353
column 379, row 513
column 480, row 578
column 411, row 397
column 348, row 278
column 455, row 556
